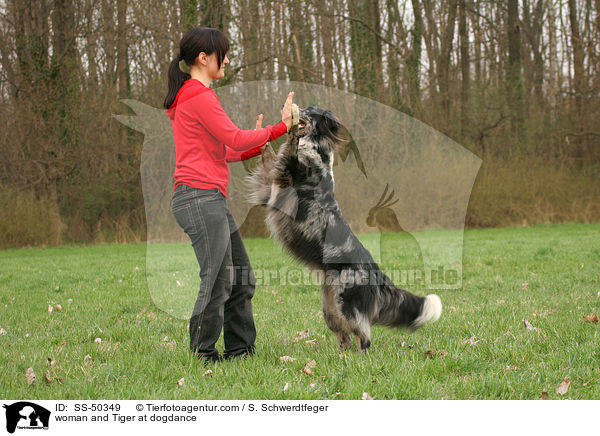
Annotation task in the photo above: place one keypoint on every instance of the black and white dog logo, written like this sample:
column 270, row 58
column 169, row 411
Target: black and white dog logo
column 24, row 414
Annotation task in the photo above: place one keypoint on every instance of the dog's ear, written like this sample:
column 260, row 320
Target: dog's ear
column 331, row 123
column 335, row 131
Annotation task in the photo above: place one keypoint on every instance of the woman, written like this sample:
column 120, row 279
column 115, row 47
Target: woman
column 205, row 141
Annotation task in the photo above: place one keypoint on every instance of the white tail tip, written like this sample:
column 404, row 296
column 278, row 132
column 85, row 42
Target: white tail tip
column 432, row 310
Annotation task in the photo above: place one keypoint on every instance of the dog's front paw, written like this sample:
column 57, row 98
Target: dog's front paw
column 268, row 156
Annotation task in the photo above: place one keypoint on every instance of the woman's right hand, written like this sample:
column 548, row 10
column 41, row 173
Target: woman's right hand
column 286, row 112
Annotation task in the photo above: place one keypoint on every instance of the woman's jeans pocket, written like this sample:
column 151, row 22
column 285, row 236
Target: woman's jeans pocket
column 183, row 215
column 187, row 207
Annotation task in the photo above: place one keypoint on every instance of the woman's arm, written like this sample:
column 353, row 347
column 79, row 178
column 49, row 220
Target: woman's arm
column 206, row 108
column 232, row 155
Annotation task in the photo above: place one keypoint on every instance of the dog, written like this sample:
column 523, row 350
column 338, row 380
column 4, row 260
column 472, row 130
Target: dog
column 296, row 185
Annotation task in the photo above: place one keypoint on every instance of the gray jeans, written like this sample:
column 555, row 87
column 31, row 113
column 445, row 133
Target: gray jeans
column 227, row 280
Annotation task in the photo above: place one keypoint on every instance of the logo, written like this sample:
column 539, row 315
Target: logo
column 24, row 414
column 402, row 186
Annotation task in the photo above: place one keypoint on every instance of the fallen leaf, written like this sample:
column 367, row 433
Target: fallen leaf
column 592, row 317
column 509, row 368
column 311, row 342
column 525, row 286
column 307, row 368
column 207, row 372
column 544, row 395
column 98, row 340
column 51, row 362
column 50, row 308
column 172, row 344
column 284, row 359
column 285, row 388
column 48, row 378
column 2, row 331
column 63, row 342
column 564, row 386
column 472, row 340
column 434, row 353
column 180, row 381
column 366, row 396
column 30, row 376
column 58, row 307
column 87, row 359
column 69, row 300
column 300, row 335
column 528, row 325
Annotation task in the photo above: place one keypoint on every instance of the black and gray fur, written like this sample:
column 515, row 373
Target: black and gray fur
column 296, row 185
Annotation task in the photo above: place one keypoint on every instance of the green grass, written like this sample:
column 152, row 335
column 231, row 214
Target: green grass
column 509, row 275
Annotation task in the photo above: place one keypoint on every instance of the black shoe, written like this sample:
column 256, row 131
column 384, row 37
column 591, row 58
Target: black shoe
column 245, row 352
column 213, row 357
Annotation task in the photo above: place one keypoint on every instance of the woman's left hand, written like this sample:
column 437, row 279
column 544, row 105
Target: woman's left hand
column 258, row 126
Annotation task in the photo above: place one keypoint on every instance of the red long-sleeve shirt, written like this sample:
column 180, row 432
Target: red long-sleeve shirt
column 206, row 139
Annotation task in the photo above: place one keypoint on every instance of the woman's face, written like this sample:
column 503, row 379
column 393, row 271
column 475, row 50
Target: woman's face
column 212, row 67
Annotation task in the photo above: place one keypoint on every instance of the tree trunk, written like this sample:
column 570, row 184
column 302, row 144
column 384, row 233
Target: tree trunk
column 514, row 79
column 444, row 60
column 464, row 66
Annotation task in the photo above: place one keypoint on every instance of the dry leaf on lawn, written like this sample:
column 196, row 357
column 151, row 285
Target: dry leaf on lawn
column 30, row 376
column 592, row 317
column 472, row 340
column 434, row 353
column 564, row 386
column 528, row 325
column 307, row 368
column 300, row 335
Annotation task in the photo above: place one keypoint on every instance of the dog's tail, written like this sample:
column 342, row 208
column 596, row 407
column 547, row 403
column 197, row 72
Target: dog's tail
column 400, row 308
column 431, row 311
column 258, row 186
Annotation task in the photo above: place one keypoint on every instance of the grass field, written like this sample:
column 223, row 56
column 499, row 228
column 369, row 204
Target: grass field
column 479, row 349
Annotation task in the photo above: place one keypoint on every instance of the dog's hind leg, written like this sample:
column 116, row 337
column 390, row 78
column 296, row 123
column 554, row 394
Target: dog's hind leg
column 361, row 327
column 334, row 318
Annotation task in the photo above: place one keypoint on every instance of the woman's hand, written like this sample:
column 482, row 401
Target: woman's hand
column 258, row 126
column 286, row 112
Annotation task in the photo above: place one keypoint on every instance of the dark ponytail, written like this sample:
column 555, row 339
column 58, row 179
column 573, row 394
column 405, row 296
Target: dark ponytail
column 196, row 40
